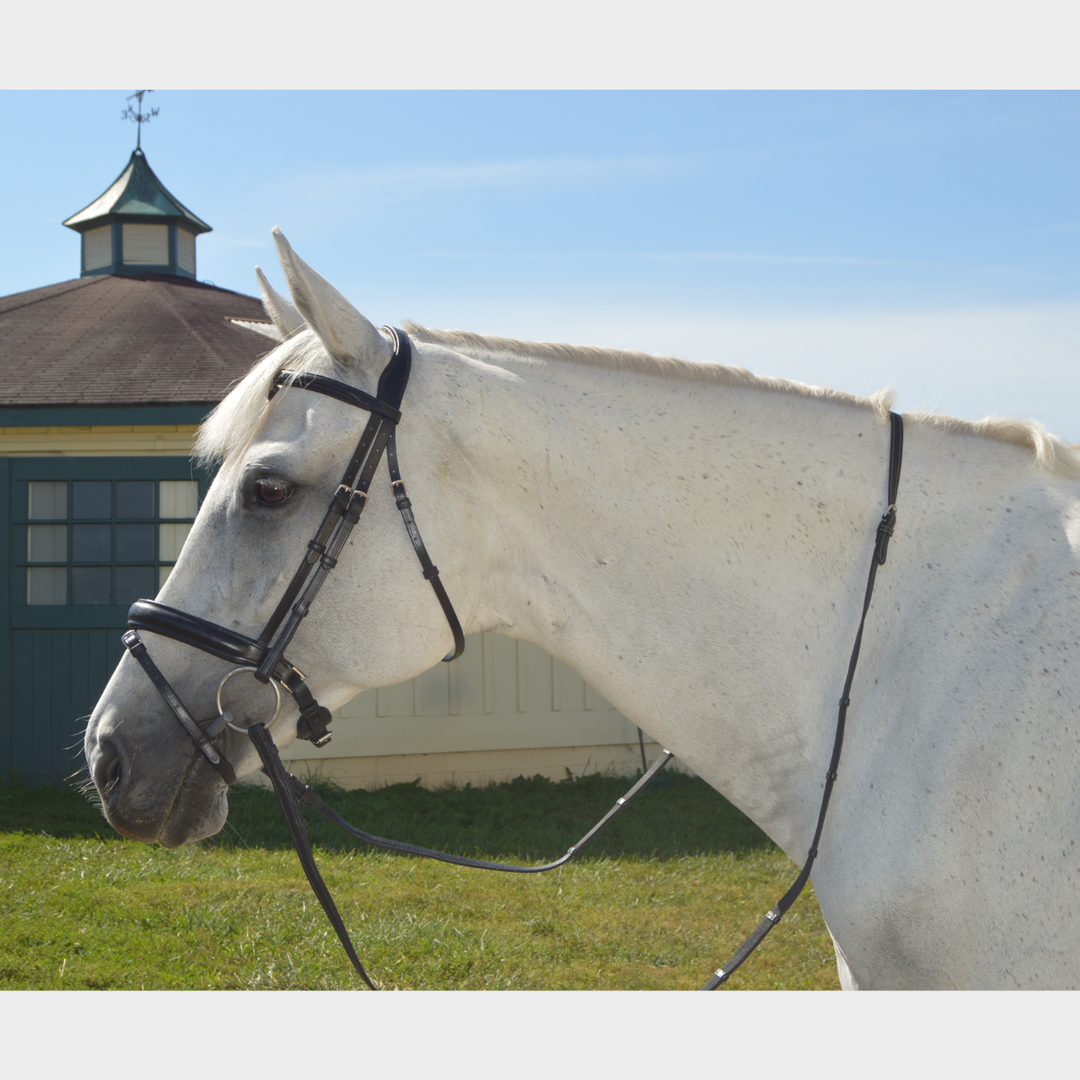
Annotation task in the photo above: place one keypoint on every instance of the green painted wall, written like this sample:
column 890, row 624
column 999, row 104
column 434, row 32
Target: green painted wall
column 56, row 659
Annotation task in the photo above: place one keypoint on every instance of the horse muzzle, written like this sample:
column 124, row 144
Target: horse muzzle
column 168, row 796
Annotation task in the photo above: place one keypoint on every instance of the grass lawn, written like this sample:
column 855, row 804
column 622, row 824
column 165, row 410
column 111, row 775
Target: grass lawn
column 657, row 902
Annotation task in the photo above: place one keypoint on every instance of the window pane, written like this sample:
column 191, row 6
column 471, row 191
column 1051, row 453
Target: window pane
column 46, row 585
column 163, row 576
column 134, row 543
column 92, row 498
column 91, row 543
column 91, row 585
column 135, row 583
column 179, row 498
column 134, row 498
column 46, row 543
column 170, row 540
column 48, row 499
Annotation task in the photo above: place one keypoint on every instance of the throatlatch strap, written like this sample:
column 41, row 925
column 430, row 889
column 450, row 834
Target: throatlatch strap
column 431, row 571
column 881, row 544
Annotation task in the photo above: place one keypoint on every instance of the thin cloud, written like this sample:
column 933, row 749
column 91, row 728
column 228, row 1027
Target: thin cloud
column 400, row 183
column 734, row 257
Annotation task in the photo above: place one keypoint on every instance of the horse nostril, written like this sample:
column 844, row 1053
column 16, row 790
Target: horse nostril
column 108, row 774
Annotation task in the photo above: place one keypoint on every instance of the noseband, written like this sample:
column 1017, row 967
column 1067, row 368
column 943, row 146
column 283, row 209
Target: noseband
column 265, row 656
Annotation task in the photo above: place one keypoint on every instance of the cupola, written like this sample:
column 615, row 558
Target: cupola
column 137, row 227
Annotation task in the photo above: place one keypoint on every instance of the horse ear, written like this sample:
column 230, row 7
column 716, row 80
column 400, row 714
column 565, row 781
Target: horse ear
column 281, row 311
column 347, row 335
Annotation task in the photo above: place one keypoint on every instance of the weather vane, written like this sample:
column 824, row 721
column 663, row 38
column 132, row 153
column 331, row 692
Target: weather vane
column 137, row 116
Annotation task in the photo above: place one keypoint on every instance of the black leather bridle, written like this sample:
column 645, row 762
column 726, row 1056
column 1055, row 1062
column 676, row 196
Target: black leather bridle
column 265, row 656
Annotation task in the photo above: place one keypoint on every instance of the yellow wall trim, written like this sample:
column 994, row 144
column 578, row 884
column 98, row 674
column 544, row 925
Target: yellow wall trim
column 132, row 441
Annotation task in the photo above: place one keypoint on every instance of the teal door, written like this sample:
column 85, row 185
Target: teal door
column 84, row 537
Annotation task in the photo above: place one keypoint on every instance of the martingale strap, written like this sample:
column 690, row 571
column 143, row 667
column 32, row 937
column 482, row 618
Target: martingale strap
column 291, row 792
column 881, row 547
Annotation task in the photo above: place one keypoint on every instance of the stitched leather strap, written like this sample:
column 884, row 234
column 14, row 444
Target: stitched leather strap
column 431, row 571
column 199, row 633
column 884, row 532
column 135, row 646
column 332, row 388
column 266, row 655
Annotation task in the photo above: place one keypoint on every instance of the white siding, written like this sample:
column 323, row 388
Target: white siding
column 146, row 245
column 502, row 709
column 185, row 250
column 97, row 248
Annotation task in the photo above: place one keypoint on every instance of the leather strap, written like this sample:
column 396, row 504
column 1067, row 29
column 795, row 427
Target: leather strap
column 332, row 388
column 345, row 510
column 199, row 633
column 346, row 507
column 884, row 532
column 291, row 793
column 266, row 655
column 307, row 796
column 273, row 768
column 236, row 648
column 431, row 571
column 137, row 649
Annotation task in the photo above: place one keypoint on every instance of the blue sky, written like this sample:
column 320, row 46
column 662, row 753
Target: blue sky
column 922, row 240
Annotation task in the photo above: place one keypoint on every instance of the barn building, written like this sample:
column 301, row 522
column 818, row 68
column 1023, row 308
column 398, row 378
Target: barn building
column 103, row 382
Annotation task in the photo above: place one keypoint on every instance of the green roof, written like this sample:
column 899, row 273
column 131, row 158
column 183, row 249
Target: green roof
column 136, row 193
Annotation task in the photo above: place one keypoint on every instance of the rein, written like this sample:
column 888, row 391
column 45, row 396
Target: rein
column 264, row 657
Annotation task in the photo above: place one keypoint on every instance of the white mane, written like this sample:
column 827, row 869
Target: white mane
column 234, row 420
column 1050, row 451
column 495, row 349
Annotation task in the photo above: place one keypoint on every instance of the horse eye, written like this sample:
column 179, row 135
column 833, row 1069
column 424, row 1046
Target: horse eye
column 270, row 492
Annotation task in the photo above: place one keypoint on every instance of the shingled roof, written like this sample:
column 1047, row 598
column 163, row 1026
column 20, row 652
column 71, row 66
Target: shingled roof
column 149, row 339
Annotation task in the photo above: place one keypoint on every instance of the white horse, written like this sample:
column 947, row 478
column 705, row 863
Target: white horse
column 694, row 540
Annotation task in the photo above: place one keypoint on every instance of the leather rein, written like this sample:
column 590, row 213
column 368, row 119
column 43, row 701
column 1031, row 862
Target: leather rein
column 264, row 657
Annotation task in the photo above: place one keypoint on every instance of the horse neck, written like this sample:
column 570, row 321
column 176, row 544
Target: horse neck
column 697, row 552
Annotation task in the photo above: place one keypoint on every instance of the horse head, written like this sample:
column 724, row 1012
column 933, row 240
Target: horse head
column 281, row 451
